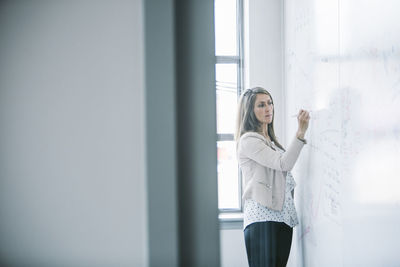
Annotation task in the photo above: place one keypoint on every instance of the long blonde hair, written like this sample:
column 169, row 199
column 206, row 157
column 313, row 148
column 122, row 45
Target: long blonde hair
column 246, row 120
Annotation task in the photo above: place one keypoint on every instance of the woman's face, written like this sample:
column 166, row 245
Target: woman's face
column 263, row 108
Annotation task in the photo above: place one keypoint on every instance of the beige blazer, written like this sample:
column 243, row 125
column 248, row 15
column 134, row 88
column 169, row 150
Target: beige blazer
column 264, row 169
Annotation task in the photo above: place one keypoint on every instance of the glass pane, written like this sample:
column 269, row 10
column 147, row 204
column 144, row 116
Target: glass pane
column 225, row 28
column 228, row 185
column 226, row 75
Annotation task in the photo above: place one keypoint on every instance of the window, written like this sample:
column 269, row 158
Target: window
column 229, row 84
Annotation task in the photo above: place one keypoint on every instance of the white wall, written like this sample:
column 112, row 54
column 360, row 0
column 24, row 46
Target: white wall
column 233, row 250
column 72, row 168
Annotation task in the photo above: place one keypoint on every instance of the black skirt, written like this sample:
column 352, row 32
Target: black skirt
column 268, row 244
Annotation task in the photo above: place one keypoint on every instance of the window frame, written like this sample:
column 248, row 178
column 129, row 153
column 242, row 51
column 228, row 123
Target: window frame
column 233, row 218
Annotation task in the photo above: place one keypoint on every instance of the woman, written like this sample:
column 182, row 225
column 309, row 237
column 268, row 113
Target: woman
column 269, row 212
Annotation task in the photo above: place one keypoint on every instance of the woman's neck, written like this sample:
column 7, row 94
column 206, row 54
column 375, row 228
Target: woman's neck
column 265, row 134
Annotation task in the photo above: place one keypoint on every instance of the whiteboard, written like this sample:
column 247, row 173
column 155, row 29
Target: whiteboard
column 342, row 62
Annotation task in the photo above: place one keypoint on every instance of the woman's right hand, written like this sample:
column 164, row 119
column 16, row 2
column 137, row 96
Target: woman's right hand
column 303, row 119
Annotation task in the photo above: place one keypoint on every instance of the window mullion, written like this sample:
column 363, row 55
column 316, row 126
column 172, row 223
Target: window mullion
column 227, row 60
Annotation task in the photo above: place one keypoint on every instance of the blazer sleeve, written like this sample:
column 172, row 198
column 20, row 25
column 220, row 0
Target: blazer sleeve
column 256, row 149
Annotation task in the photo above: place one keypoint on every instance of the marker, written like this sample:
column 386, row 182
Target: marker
column 295, row 115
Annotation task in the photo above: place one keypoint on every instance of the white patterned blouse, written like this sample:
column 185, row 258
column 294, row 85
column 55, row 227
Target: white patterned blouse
column 254, row 212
